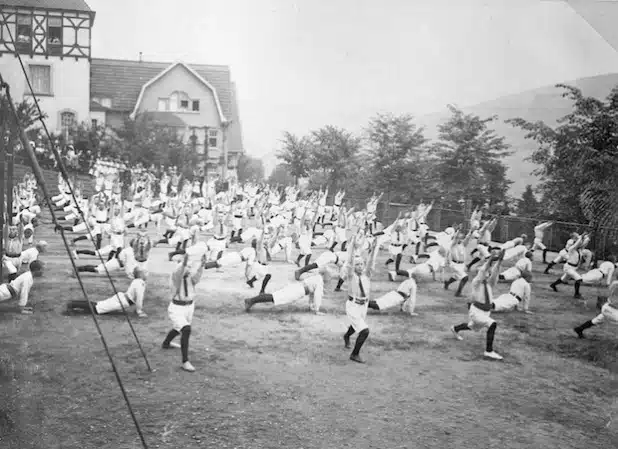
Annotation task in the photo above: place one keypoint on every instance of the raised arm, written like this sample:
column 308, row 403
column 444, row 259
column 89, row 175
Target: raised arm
column 370, row 267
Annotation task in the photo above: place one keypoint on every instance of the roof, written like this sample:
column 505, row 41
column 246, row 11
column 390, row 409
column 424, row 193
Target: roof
column 164, row 118
column 209, row 86
column 96, row 106
column 122, row 81
column 65, row 5
column 235, row 133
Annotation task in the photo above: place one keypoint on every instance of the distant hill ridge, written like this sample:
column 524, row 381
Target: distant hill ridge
column 542, row 104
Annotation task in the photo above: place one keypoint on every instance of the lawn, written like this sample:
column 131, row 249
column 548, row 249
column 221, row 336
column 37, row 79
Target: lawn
column 281, row 378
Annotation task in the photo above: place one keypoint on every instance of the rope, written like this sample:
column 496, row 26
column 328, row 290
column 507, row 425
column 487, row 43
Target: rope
column 65, row 176
column 38, row 174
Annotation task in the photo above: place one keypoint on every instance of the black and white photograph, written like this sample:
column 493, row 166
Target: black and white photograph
column 308, row 224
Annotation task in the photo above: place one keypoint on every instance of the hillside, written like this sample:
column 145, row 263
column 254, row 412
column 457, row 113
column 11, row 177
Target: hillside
column 545, row 104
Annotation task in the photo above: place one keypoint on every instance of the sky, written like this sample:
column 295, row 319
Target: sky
column 300, row 65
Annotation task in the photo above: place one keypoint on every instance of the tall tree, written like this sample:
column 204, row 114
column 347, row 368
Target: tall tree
column 395, row 156
column 145, row 142
column 469, row 160
column 578, row 159
column 528, row 206
column 282, row 175
column 335, row 153
column 250, row 169
column 296, row 154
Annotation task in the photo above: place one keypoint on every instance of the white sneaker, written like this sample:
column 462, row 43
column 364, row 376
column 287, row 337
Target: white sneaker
column 174, row 345
column 456, row 334
column 188, row 367
column 493, row 355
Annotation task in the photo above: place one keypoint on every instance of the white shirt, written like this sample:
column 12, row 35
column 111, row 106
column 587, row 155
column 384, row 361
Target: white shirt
column 248, row 254
column 408, row 288
column 22, row 285
column 521, row 288
column 135, row 293
column 607, row 268
column 436, row 260
column 524, row 264
column 29, row 255
column 315, row 286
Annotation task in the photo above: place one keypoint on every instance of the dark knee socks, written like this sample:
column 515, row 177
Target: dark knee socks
column 490, row 337
column 184, row 343
column 360, row 340
column 170, row 336
column 462, row 327
column 398, row 261
column 265, row 283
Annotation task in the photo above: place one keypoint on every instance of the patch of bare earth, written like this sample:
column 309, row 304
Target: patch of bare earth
column 280, row 377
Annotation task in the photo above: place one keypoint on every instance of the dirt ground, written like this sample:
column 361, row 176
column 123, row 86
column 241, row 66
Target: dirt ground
column 281, row 378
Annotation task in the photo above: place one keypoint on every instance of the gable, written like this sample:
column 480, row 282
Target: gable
column 179, row 77
column 122, row 81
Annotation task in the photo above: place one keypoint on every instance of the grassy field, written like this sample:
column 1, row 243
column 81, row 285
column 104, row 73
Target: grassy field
column 281, row 378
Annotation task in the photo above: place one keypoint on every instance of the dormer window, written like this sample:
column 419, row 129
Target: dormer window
column 23, row 42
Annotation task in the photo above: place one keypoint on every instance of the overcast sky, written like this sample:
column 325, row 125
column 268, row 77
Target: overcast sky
column 303, row 64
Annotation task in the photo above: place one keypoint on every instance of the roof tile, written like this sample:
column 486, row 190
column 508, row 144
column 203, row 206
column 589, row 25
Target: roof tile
column 66, row 5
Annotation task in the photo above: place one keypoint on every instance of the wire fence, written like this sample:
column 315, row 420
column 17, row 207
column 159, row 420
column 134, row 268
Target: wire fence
column 603, row 241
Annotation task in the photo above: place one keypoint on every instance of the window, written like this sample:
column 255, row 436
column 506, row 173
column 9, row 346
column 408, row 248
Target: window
column 213, row 135
column 23, row 43
column 179, row 101
column 164, row 104
column 40, row 77
column 67, row 120
column 195, row 105
column 106, row 102
column 94, row 122
column 54, row 36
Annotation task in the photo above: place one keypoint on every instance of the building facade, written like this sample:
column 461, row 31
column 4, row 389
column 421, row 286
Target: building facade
column 53, row 38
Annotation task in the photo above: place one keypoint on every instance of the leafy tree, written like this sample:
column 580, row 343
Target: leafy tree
column 528, row 206
column 578, row 159
column 335, row 153
column 282, row 175
column 146, row 142
column 296, row 155
column 468, row 160
column 250, row 169
column 395, row 155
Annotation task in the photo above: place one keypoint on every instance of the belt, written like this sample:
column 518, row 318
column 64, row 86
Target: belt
column 573, row 264
column 14, row 255
column 101, row 221
column 457, row 261
column 129, row 300
column 262, row 263
column 237, row 216
column 396, row 244
column 516, row 296
column 359, row 301
column 403, row 295
column 182, row 303
column 12, row 291
column 219, row 238
column 118, row 232
column 141, row 261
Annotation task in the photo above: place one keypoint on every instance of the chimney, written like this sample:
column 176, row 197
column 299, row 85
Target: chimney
column 140, row 56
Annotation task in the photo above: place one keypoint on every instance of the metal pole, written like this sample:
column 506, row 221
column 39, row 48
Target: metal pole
column 9, row 180
column 2, row 182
